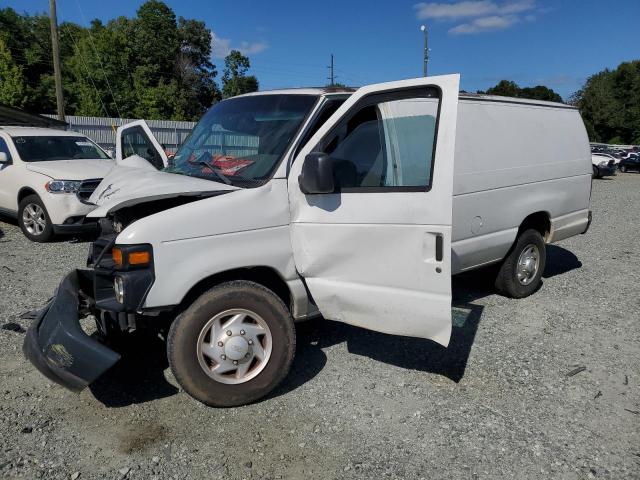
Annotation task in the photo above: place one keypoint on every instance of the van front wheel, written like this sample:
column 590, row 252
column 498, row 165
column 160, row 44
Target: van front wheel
column 233, row 345
column 521, row 271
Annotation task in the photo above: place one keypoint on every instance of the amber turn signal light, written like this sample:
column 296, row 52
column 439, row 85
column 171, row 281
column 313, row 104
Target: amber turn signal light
column 138, row 258
column 116, row 253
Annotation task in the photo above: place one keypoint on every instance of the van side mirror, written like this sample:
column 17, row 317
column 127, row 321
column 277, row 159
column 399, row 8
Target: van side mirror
column 4, row 158
column 317, row 174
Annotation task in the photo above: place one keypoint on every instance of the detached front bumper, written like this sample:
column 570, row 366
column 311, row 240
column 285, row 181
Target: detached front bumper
column 56, row 344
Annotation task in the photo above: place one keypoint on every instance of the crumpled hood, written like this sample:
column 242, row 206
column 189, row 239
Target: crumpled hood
column 73, row 169
column 130, row 186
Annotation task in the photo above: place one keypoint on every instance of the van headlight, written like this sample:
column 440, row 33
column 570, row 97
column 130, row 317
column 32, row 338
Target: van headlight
column 118, row 289
column 62, row 186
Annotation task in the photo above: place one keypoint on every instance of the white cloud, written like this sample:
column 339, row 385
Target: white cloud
column 485, row 24
column 479, row 15
column 221, row 47
column 470, row 9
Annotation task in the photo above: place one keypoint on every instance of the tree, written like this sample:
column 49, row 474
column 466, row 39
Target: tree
column 507, row 88
column 152, row 65
column 11, row 79
column 610, row 104
column 235, row 80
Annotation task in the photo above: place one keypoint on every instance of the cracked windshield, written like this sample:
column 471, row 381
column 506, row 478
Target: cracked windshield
column 241, row 141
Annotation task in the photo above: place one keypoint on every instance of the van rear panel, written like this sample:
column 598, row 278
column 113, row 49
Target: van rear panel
column 513, row 159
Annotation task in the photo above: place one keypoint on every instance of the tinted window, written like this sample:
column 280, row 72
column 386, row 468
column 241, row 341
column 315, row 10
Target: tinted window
column 385, row 144
column 4, row 149
column 41, row 149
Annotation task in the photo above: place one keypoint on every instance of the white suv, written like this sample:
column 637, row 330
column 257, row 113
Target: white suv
column 45, row 176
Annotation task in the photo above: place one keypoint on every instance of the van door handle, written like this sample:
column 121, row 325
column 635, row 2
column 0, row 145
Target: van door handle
column 439, row 243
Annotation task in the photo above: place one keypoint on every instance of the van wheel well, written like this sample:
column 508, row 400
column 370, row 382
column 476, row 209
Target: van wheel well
column 24, row 193
column 539, row 221
column 265, row 276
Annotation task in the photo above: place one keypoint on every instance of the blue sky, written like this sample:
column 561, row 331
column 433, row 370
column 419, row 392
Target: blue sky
column 555, row 43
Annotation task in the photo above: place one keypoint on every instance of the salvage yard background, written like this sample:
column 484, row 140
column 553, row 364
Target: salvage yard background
column 547, row 386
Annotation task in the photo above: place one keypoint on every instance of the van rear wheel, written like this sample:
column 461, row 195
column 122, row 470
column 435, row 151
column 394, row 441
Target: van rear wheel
column 233, row 345
column 521, row 271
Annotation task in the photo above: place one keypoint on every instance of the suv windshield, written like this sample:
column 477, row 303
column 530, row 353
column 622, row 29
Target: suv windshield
column 43, row 149
column 241, row 141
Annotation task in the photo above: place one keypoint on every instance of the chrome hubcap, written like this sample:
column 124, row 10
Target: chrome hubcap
column 33, row 219
column 234, row 346
column 528, row 264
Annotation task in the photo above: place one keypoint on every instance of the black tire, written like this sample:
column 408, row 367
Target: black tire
column 623, row 169
column 184, row 335
column 596, row 172
column 34, row 235
column 507, row 281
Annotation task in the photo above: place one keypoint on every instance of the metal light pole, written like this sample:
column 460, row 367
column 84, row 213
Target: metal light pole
column 426, row 51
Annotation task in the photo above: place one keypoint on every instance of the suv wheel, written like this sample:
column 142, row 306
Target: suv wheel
column 521, row 271
column 233, row 345
column 623, row 168
column 34, row 220
column 596, row 172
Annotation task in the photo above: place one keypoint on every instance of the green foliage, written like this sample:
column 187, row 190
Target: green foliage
column 235, row 80
column 11, row 79
column 507, row 88
column 610, row 104
column 152, row 65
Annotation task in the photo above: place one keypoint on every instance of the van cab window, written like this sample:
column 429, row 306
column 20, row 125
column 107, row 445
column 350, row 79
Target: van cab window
column 242, row 140
column 136, row 142
column 385, row 144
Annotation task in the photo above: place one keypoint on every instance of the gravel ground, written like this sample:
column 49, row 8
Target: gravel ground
column 500, row 402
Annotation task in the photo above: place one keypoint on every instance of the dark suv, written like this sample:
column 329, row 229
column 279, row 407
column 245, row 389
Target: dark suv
column 630, row 163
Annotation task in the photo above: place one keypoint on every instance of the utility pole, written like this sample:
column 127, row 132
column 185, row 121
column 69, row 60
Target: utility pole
column 426, row 51
column 332, row 77
column 57, row 71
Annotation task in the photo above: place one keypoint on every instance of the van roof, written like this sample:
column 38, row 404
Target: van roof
column 302, row 91
column 463, row 95
column 515, row 100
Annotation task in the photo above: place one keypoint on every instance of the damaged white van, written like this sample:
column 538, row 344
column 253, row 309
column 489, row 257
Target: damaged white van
column 282, row 205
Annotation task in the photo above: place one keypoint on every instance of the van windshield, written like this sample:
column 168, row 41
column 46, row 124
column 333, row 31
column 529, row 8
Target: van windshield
column 242, row 140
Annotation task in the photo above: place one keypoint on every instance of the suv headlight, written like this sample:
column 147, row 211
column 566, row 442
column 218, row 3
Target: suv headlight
column 62, row 186
column 604, row 163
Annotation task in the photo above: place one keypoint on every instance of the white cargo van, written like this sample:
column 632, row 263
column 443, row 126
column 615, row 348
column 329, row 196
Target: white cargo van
column 356, row 205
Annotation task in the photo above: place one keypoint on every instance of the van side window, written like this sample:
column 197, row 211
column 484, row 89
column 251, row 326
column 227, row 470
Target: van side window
column 386, row 144
column 136, row 142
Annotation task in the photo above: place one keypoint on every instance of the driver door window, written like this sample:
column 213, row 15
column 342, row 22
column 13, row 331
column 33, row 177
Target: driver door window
column 387, row 144
column 135, row 142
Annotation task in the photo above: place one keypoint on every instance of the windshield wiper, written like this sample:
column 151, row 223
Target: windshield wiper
column 218, row 173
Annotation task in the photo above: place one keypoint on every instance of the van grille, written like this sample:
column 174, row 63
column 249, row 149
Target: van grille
column 87, row 187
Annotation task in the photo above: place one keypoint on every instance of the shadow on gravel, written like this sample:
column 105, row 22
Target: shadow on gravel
column 7, row 219
column 138, row 377
column 559, row 261
column 405, row 352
